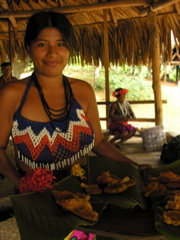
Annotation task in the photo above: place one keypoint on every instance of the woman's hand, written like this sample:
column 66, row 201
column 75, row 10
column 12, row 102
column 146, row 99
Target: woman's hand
column 144, row 166
column 125, row 118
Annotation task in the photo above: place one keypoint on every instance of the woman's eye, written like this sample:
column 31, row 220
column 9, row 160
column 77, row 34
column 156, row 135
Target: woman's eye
column 41, row 44
column 62, row 44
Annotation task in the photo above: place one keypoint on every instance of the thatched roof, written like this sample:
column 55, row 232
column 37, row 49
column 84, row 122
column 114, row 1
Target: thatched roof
column 128, row 29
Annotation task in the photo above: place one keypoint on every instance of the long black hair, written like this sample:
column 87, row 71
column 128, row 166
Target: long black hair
column 42, row 20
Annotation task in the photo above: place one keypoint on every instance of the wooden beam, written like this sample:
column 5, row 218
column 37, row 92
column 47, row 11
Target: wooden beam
column 113, row 17
column 134, row 119
column 155, row 57
column 4, row 5
column 2, row 21
column 133, row 102
column 10, row 43
column 106, row 59
column 78, row 8
column 157, row 6
column 14, row 25
column 178, row 8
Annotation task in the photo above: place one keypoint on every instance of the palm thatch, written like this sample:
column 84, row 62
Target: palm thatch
column 127, row 24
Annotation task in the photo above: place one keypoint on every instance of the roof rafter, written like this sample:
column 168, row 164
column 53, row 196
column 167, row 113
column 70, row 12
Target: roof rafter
column 178, row 8
column 79, row 8
column 12, row 19
column 157, row 6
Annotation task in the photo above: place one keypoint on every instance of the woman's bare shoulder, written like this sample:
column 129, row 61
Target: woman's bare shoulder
column 13, row 89
column 114, row 104
column 80, row 85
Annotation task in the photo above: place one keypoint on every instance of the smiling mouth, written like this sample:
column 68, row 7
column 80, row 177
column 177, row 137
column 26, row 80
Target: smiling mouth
column 52, row 63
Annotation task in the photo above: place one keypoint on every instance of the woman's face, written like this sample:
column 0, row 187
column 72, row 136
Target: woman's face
column 49, row 53
column 121, row 98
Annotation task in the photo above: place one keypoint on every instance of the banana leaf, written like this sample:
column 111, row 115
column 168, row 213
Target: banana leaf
column 40, row 218
column 130, row 198
column 169, row 231
column 154, row 172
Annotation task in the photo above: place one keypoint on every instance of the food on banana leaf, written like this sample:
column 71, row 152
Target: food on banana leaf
column 162, row 184
column 172, row 217
column 92, row 189
column 79, row 204
column 108, row 179
column 173, row 202
column 119, row 188
column 108, row 183
column 167, row 177
column 78, row 171
column 154, row 188
column 173, row 185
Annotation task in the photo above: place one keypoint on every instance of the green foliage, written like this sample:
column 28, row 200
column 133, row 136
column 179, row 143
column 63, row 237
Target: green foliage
column 127, row 77
column 132, row 78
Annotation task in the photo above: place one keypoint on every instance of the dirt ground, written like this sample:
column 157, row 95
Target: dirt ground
column 171, row 109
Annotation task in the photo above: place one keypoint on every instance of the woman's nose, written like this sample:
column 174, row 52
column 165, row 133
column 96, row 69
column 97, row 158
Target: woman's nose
column 52, row 50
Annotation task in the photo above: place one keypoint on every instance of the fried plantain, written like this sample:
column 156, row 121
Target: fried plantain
column 76, row 203
column 92, row 189
column 172, row 217
column 154, row 188
column 173, row 202
column 168, row 177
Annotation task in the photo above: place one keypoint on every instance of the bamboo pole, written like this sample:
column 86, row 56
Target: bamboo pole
column 106, row 61
column 10, row 42
column 155, row 57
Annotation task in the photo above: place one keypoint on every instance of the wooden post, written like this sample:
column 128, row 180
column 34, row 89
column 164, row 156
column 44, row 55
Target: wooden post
column 106, row 62
column 155, row 57
column 10, row 42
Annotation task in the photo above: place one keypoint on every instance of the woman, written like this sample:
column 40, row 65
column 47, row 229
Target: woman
column 53, row 123
column 120, row 112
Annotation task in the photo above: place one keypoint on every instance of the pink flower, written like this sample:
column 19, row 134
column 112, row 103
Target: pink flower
column 36, row 180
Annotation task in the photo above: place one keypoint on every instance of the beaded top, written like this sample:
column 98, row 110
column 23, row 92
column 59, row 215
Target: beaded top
column 40, row 145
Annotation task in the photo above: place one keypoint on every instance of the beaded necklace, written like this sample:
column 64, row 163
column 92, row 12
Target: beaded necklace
column 57, row 113
column 123, row 108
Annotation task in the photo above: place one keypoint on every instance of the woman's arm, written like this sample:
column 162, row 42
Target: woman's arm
column 130, row 110
column 7, row 109
column 132, row 113
column 8, row 170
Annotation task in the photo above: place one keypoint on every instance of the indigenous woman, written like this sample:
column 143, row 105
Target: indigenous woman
column 53, row 123
column 120, row 112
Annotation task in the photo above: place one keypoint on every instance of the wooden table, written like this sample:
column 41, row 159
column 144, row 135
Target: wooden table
column 125, row 225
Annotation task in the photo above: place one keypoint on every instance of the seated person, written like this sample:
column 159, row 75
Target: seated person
column 119, row 113
column 6, row 70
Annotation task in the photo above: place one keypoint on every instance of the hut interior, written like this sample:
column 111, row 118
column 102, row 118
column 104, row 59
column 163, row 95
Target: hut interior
column 133, row 32
column 124, row 23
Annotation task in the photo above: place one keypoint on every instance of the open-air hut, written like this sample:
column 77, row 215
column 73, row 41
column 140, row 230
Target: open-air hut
column 133, row 32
